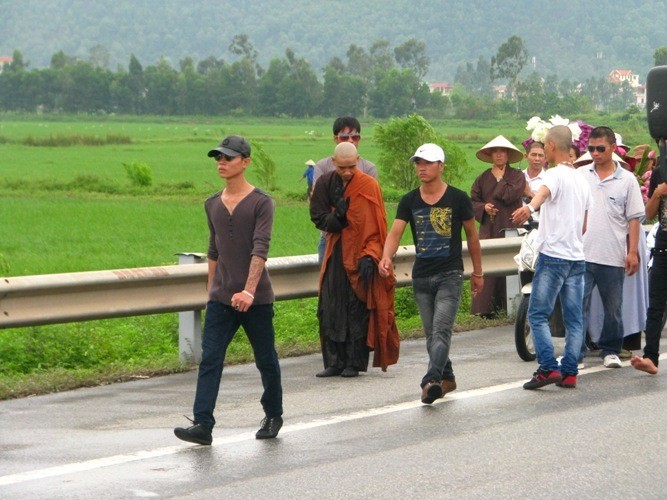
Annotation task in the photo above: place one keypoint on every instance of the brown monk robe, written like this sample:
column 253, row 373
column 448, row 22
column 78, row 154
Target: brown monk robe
column 356, row 315
column 495, row 194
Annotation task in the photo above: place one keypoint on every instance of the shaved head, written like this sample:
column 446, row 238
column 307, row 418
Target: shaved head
column 561, row 136
column 345, row 151
column 345, row 159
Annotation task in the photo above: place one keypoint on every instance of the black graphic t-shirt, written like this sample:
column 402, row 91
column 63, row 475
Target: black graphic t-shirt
column 436, row 230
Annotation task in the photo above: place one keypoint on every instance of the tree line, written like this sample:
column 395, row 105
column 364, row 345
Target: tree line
column 380, row 81
column 450, row 28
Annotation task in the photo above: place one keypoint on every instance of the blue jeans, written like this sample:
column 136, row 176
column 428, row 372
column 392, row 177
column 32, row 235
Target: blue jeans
column 438, row 299
column 565, row 279
column 609, row 280
column 222, row 322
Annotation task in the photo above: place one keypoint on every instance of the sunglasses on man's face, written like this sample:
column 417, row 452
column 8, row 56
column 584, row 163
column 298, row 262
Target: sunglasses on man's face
column 599, row 149
column 349, row 137
column 223, row 156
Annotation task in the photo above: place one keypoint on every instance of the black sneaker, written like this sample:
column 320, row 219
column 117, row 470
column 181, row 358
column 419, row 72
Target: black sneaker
column 543, row 377
column 270, row 428
column 198, row 433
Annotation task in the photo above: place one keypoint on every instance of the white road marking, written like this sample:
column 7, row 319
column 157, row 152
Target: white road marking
column 98, row 463
column 143, row 493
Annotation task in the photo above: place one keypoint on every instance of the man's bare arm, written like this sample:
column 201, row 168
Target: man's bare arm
column 242, row 300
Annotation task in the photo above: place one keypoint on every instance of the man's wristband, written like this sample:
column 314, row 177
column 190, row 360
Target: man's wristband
column 248, row 294
column 481, row 275
column 530, row 207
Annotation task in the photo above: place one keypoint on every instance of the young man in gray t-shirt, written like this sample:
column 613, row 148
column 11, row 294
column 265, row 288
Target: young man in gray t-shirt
column 240, row 218
column 345, row 129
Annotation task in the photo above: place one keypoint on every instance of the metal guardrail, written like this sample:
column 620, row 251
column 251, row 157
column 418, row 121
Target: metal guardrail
column 61, row 298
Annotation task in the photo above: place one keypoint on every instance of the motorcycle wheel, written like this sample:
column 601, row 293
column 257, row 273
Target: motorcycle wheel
column 522, row 336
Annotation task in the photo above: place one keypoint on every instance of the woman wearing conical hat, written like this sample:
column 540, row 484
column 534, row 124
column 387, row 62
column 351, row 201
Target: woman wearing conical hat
column 495, row 194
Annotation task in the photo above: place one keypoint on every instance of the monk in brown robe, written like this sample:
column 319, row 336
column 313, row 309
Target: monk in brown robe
column 495, row 194
column 356, row 304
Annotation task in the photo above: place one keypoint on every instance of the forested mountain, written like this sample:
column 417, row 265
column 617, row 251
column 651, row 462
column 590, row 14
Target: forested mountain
column 571, row 38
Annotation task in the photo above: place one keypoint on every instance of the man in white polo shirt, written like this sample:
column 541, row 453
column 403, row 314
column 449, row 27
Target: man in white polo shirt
column 611, row 242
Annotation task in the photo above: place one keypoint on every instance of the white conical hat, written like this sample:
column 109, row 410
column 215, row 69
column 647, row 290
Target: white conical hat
column 586, row 158
column 513, row 154
column 619, row 142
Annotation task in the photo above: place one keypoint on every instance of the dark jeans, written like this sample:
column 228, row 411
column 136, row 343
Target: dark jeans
column 657, row 296
column 222, row 322
column 609, row 281
column 438, row 299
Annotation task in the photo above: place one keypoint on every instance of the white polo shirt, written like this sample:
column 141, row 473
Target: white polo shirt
column 617, row 199
column 534, row 184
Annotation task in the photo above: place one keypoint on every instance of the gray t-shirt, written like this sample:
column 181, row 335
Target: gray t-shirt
column 234, row 238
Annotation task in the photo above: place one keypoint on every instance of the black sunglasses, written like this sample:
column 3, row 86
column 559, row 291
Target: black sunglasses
column 347, row 137
column 222, row 156
column 599, row 149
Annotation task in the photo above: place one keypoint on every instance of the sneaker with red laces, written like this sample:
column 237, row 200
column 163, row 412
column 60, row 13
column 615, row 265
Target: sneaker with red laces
column 568, row 381
column 543, row 377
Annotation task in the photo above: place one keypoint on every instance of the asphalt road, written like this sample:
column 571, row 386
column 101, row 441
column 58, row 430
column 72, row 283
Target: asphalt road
column 368, row 437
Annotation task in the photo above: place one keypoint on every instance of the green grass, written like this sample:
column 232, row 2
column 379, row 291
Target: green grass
column 70, row 234
column 68, row 207
column 176, row 150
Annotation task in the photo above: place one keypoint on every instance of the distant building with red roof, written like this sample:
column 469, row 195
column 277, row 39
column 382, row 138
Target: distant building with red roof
column 5, row 60
column 443, row 88
column 625, row 75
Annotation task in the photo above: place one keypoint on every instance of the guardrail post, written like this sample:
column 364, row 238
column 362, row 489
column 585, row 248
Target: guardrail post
column 189, row 322
column 512, row 281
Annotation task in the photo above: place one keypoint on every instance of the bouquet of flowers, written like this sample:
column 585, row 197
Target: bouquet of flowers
column 539, row 128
